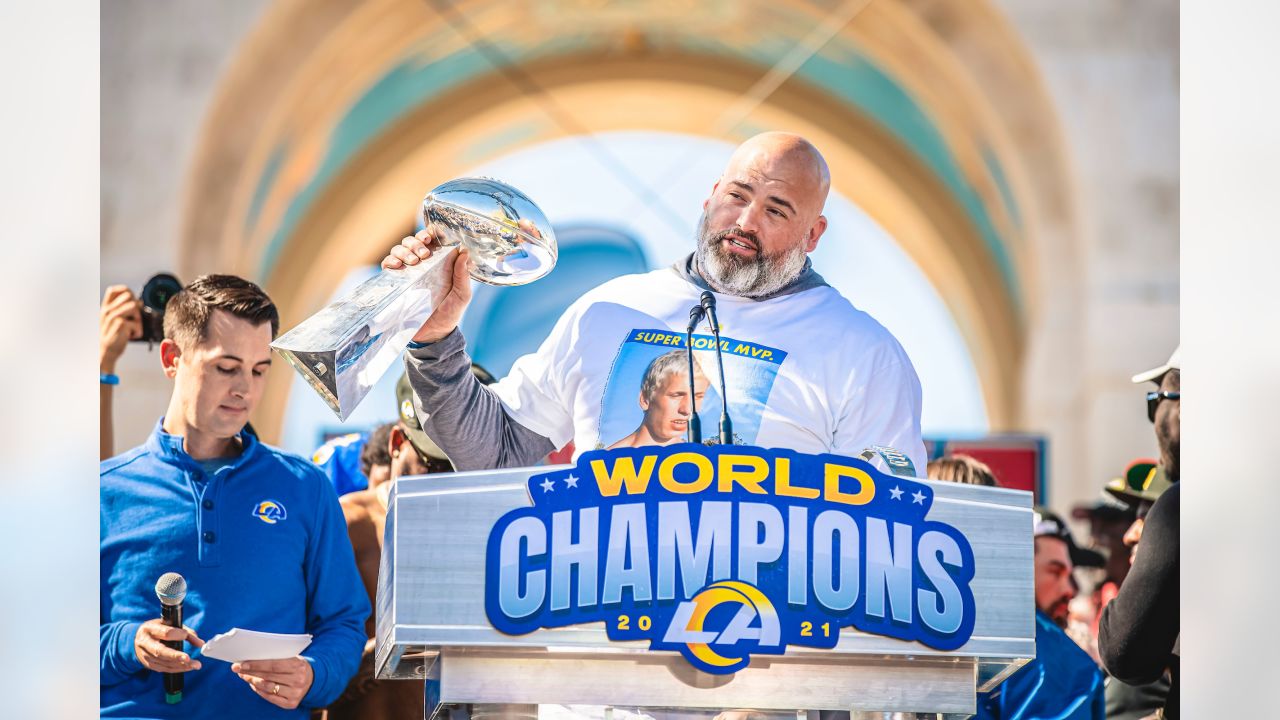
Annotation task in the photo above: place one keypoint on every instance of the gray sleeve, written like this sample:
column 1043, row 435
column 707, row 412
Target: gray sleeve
column 465, row 419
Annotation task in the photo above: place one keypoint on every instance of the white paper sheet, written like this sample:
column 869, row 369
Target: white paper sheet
column 238, row 645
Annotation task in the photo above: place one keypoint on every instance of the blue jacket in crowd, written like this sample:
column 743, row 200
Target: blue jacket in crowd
column 1061, row 683
column 263, row 546
column 339, row 459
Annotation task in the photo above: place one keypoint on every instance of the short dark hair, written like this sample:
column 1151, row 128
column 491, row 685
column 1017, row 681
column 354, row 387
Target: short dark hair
column 186, row 317
column 377, row 449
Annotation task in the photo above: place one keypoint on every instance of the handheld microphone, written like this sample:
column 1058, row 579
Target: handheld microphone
column 171, row 589
column 708, row 305
column 695, row 423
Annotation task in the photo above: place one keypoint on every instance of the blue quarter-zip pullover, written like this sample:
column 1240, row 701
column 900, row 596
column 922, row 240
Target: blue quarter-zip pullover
column 263, row 546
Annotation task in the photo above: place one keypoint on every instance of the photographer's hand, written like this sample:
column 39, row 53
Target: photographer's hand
column 119, row 321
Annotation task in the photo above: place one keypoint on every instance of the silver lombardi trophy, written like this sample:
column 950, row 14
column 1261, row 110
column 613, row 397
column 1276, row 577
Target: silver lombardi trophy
column 345, row 348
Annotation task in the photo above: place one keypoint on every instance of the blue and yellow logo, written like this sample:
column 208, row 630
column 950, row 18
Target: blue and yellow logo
column 720, row 553
column 269, row 512
column 747, row 621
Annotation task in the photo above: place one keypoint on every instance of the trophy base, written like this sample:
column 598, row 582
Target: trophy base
column 345, row 348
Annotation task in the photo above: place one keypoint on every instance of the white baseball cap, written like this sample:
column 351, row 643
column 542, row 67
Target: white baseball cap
column 1154, row 374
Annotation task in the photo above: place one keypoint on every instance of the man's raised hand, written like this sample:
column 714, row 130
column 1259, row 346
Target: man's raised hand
column 448, row 313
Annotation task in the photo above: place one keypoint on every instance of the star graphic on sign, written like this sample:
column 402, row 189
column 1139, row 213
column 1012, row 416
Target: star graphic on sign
column 917, row 497
column 571, row 481
column 548, row 485
column 896, row 492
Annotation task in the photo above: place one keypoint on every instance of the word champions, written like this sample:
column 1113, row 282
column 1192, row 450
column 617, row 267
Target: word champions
column 721, row 552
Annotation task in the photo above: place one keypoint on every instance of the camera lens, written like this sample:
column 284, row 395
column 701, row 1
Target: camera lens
column 155, row 295
column 159, row 290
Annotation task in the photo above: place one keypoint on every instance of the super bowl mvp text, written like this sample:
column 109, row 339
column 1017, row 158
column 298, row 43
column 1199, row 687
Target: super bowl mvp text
column 719, row 553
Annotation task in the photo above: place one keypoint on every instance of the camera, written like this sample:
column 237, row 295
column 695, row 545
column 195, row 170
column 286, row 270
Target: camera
column 155, row 295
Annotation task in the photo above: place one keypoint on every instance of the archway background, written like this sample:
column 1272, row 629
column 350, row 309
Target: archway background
column 331, row 118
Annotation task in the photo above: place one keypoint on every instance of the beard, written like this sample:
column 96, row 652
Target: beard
column 1167, row 437
column 732, row 274
column 1168, row 427
column 1060, row 612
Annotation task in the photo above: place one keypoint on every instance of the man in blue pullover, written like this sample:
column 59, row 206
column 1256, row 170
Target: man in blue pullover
column 1062, row 682
column 258, row 534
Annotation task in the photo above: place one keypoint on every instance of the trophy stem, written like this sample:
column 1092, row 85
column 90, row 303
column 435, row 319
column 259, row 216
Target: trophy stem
column 345, row 348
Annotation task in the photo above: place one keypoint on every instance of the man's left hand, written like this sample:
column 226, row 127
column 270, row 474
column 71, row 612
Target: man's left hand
column 280, row 682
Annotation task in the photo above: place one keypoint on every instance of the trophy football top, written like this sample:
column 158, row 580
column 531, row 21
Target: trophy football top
column 510, row 239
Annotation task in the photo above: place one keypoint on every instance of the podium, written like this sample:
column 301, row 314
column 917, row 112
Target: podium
column 432, row 622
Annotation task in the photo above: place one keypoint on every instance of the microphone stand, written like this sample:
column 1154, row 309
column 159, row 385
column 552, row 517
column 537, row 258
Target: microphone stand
column 726, row 425
column 695, row 423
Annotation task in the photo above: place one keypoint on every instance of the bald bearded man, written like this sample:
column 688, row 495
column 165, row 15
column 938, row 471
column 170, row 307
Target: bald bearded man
column 806, row 370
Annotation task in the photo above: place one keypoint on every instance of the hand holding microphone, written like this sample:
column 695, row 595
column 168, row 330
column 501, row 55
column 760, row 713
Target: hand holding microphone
column 149, row 646
column 158, row 643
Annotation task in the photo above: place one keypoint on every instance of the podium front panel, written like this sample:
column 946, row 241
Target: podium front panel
column 432, row 622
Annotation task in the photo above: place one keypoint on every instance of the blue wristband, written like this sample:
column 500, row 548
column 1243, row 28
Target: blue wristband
column 108, row 378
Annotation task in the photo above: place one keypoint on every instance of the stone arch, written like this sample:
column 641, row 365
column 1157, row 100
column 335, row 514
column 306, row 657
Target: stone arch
column 932, row 118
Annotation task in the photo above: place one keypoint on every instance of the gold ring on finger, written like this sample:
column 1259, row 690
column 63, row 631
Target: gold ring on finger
column 276, row 690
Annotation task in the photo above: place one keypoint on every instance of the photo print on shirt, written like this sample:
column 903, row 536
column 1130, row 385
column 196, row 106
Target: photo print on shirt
column 647, row 400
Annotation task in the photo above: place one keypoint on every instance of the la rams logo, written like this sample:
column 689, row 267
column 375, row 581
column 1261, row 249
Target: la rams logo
column 750, row 624
column 269, row 512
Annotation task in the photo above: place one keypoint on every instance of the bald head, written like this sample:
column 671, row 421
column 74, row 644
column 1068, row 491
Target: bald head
column 788, row 158
column 764, row 216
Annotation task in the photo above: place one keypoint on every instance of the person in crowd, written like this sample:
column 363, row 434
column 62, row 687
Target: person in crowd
column 822, row 376
column 119, row 321
column 341, row 459
column 1138, row 634
column 1109, row 518
column 1082, row 611
column 348, row 460
column 961, row 469
column 375, row 456
column 1142, row 484
column 409, row 451
column 366, row 698
column 1055, row 582
column 1062, row 681
column 256, row 533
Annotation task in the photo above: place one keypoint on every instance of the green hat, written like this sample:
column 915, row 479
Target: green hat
column 408, row 415
column 1143, row 480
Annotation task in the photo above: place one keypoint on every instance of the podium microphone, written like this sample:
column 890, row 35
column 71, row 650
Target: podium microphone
column 708, row 305
column 695, row 423
column 171, row 588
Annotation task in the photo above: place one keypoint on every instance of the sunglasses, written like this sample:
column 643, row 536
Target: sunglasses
column 1154, row 398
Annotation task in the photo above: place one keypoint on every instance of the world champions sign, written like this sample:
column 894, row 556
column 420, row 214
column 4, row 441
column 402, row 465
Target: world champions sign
column 724, row 552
